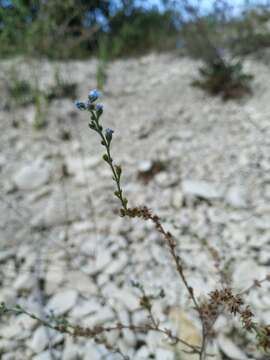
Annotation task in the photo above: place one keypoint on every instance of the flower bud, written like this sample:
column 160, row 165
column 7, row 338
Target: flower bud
column 108, row 134
column 80, row 105
column 93, row 95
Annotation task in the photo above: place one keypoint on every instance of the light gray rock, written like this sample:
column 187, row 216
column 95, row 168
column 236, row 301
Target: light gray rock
column 53, row 279
column 62, row 302
column 11, row 331
column 53, row 213
column 40, row 340
column 92, row 352
column 102, row 260
column 143, row 353
column 163, row 354
column 24, row 282
column 81, row 282
column 201, row 189
column 230, row 349
column 177, row 199
column 32, row 176
column 246, row 272
column 70, row 352
column 236, row 197
column 104, row 315
column 145, row 165
column 127, row 298
column 129, row 338
column 8, row 356
column 84, row 308
column 6, row 255
column 26, row 322
column 43, row 356
column 117, row 265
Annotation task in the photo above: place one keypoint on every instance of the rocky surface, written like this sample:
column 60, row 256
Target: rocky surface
column 64, row 248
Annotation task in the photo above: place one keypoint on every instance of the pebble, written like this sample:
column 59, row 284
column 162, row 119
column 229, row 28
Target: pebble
column 70, row 352
column 40, row 340
column 231, row 350
column 243, row 277
column 163, row 354
column 201, row 189
column 117, row 265
column 62, row 302
column 91, row 352
column 102, row 260
column 24, row 282
column 46, row 355
column 32, row 176
column 84, row 308
column 236, row 197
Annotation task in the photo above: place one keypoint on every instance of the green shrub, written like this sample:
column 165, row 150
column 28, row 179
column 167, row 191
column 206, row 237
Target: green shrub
column 204, row 37
column 225, row 79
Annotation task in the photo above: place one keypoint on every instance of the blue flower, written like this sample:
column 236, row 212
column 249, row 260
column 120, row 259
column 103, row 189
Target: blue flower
column 99, row 107
column 93, row 95
column 80, row 105
column 109, row 132
column 108, row 135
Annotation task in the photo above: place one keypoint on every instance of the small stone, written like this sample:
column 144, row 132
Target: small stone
column 85, row 308
column 145, row 166
column 62, row 302
column 53, row 279
column 32, row 176
column 236, row 197
column 26, row 322
column 117, row 265
column 6, row 346
column 81, row 282
column 129, row 300
column 82, row 227
column 40, row 340
column 143, row 354
column 52, row 215
column 102, row 260
column 163, row 354
column 104, row 315
column 12, row 331
column 129, row 338
column 246, row 272
column 201, row 189
column 6, row 255
column 164, row 179
column 46, row 355
column 177, row 199
column 92, row 352
column 24, row 282
column 71, row 352
column 230, row 349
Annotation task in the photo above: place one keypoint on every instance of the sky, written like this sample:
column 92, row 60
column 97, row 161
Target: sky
column 205, row 4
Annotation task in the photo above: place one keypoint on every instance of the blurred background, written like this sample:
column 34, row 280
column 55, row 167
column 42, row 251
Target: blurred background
column 81, row 29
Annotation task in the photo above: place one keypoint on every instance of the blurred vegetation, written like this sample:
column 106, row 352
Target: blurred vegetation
column 80, row 28
column 224, row 78
column 108, row 29
column 73, row 28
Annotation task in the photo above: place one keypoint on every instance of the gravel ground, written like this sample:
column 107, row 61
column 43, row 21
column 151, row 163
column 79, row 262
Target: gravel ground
column 200, row 163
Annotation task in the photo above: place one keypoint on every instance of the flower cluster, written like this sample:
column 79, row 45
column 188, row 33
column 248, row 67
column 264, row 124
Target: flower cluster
column 90, row 103
column 106, row 136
